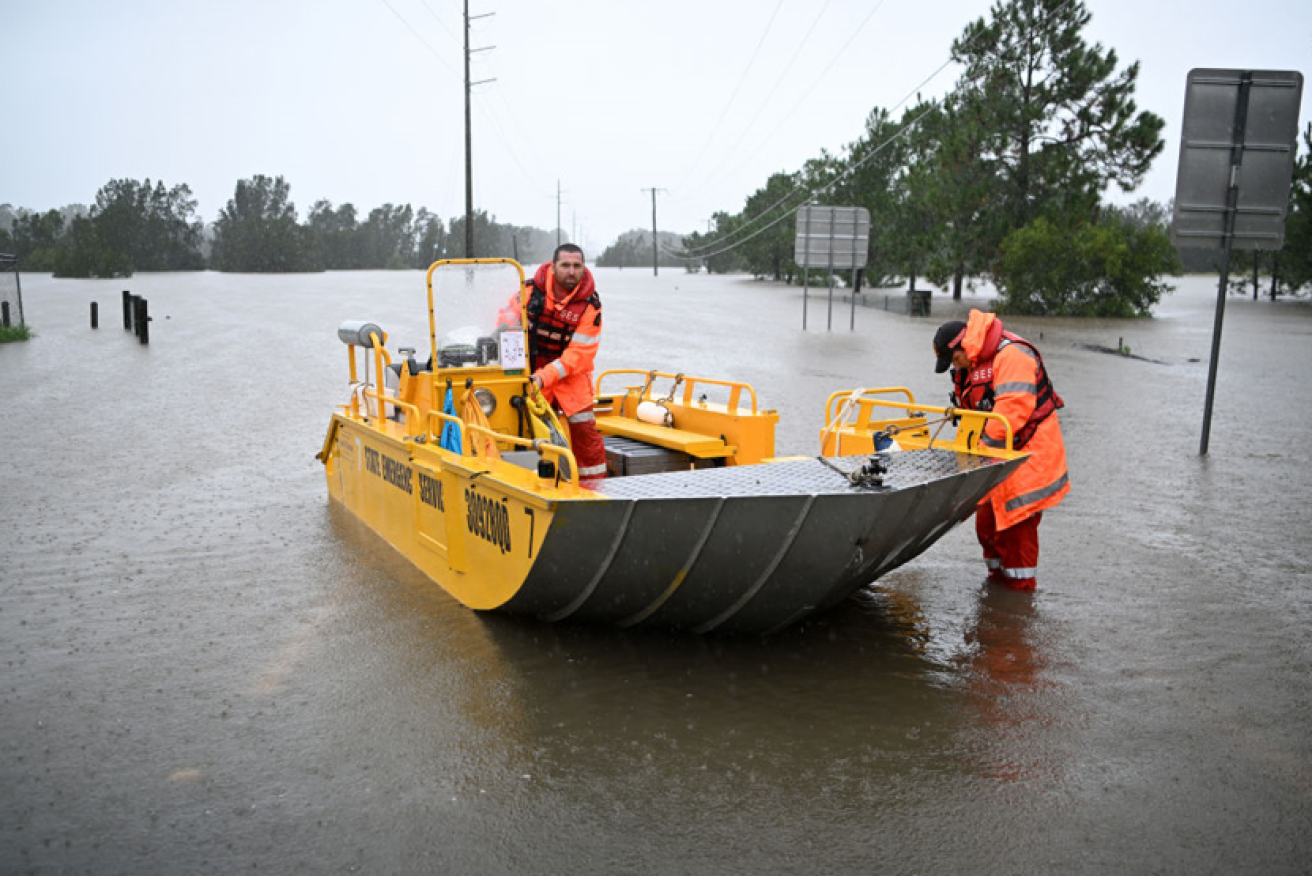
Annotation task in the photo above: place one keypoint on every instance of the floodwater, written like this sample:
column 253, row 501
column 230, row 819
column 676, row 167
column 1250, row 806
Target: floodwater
column 207, row 668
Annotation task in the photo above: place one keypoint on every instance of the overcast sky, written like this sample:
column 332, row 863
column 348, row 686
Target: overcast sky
column 361, row 101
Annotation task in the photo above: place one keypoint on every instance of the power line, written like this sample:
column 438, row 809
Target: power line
column 698, row 253
column 787, row 117
column 716, row 129
column 432, row 51
column 766, row 101
column 809, row 192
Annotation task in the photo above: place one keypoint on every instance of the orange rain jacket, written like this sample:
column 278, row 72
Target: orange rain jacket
column 564, row 338
column 1014, row 372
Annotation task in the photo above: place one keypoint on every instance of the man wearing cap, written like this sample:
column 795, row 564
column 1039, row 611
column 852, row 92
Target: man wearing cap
column 995, row 370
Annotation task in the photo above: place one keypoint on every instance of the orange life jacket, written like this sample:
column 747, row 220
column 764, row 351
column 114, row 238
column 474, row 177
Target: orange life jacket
column 974, row 388
column 551, row 328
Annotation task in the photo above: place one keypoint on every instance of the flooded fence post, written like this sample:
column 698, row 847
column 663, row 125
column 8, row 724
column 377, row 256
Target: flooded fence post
column 142, row 319
column 127, row 310
column 95, row 314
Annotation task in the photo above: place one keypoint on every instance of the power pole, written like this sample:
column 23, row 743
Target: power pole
column 557, row 212
column 655, row 252
column 469, row 142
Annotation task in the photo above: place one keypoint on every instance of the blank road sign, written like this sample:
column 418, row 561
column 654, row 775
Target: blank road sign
column 1256, row 113
column 840, row 233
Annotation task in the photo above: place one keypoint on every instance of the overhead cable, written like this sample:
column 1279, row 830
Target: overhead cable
column 699, row 253
column 716, row 129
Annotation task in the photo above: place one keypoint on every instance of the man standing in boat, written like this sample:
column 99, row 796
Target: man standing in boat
column 564, row 331
column 995, row 370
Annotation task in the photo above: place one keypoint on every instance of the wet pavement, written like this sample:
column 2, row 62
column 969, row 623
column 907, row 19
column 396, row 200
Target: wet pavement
column 208, row 668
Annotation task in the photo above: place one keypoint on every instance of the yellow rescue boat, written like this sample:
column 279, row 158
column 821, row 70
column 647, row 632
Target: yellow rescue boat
column 699, row 526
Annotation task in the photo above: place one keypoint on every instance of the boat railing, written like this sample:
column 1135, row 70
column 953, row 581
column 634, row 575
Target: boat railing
column 383, row 399
column 557, row 453
column 840, row 405
column 735, row 388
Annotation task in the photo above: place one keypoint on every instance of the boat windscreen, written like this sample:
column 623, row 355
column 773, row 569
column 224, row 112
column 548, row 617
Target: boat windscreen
column 477, row 317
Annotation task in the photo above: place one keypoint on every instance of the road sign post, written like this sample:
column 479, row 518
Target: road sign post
column 1237, row 146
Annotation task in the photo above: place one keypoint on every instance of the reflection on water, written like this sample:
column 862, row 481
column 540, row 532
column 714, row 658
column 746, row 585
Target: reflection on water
column 1003, row 669
column 208, row 667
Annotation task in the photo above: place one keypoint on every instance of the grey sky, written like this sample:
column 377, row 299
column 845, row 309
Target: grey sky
column 361, row 100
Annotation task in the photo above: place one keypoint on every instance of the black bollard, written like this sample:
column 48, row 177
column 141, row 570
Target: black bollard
column 127, row 310
column 4, row 313
column 142, row 317
column 95, row 314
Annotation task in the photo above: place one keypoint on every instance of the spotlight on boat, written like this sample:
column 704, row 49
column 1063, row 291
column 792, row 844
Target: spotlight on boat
column 486, row 400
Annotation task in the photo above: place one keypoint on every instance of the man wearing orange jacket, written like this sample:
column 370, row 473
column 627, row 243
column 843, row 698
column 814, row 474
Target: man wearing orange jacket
column 995, row 370
column 564, row 331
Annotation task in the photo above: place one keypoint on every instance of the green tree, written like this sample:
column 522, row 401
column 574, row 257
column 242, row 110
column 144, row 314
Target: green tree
column 430, row 238
column 1108, row 268
column 1293, row 263
column 35, row 239
column 714, row 250
column 768, row 247
column 387, row 238
column 82, row 253
column 335, row 236
column 1053, row 120
column 257, row 231
column 872, row 175
column 952, row 184
column 150, row 228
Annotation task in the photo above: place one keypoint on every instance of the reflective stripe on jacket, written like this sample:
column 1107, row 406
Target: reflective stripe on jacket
column 564, row 334
column 1007, row 376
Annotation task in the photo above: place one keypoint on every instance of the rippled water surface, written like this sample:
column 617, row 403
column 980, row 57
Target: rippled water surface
column 208, row 668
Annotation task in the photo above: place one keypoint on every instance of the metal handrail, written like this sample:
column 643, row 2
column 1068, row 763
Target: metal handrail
column 466, row 450
column 830, row 414
column 736, row 387
column 911, row 407
column 395, row 402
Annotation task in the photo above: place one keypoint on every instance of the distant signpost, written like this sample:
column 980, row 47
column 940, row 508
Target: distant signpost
column 1237, row 147
column 837, row 238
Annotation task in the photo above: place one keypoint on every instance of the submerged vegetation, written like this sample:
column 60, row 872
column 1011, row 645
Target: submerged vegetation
column 10, row 333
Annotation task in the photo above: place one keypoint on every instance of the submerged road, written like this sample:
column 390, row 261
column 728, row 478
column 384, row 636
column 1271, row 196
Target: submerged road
column 209, row 669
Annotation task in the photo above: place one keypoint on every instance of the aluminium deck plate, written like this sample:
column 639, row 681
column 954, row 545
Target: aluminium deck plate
column 793, row 477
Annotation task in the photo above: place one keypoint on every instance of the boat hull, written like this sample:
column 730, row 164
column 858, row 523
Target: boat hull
column 750, row 549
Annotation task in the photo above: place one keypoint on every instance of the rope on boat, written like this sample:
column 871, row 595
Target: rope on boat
column 847, row 407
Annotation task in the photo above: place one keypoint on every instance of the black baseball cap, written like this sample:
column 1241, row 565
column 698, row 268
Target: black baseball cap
column 943, row 338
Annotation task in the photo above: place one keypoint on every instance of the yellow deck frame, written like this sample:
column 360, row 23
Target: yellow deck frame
column 851, row 424
column 734, row 430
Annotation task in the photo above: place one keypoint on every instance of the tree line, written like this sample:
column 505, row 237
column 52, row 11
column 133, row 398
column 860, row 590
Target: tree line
column 140, row 226
column 1002, row 178
column 633, row 249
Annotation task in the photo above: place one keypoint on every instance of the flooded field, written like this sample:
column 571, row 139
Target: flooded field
column 207, row 668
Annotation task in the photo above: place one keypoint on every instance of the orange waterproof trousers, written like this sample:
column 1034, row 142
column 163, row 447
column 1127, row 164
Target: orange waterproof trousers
column 1012, row 554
